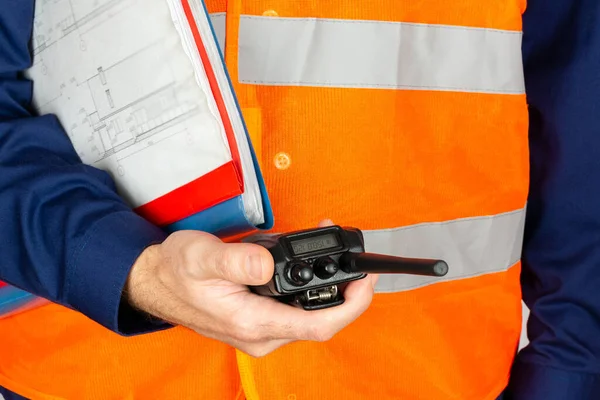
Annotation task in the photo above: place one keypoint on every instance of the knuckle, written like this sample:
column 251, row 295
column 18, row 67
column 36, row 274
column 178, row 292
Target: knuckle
column 223, row 262
column 247, row 336
column 222, row 269
column 190, row 252
column 247, row 332
column 321, row 333
column 259, row 351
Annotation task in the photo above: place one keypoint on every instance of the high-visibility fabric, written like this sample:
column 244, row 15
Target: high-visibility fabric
column 52, row 353
column 474, row 246
column 407, row 119
column 373, row 54
column 218, row 22
column 442, row 144
column 404, row 118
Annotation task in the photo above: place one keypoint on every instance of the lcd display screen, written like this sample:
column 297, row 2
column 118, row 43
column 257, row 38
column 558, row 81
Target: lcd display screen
column 315, row 243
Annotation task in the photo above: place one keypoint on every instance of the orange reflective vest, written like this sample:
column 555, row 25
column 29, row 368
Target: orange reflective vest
column 405, row 118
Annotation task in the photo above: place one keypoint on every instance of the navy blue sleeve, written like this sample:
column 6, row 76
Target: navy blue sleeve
column 561, row 255
column 65, row 234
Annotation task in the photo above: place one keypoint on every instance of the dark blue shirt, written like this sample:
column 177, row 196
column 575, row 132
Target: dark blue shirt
column 66, row 235
column 561, row 254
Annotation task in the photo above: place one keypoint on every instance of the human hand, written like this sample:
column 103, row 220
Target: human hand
column 195, row 280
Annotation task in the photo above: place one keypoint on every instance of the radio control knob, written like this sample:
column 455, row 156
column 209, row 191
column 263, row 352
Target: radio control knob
column 300, row 274
column 325, row 267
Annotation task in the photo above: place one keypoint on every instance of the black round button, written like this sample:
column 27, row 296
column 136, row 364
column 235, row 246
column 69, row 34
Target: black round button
column 325, row 267
column 300, row 274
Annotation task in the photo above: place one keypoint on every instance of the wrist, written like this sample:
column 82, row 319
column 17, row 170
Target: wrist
column 140, row 282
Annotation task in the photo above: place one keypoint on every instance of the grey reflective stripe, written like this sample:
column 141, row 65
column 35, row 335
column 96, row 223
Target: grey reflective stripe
column 472, row 247
column 373, row 54
column 218, row 22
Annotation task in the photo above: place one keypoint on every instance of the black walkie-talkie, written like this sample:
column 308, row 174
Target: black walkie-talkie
column 313, row 266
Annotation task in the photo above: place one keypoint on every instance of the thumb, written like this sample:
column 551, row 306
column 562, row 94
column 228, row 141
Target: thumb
column 325, row 222
column 241, row 263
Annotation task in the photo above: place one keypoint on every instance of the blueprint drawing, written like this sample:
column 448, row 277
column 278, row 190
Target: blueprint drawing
column 116, row 75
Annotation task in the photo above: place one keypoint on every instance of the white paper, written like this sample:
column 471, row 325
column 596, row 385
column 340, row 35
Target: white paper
column 116, row 74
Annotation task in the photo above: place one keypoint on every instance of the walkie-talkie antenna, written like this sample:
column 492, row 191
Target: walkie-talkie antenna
column 369, row 263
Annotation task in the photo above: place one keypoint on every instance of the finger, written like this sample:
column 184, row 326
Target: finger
column 374, row 279
column 269, row 319
column 358, row 296
column 258, row 350
column 241, row 263
column 325, row 222
column 254, row 348
column 324, row 324
column 275, row 320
